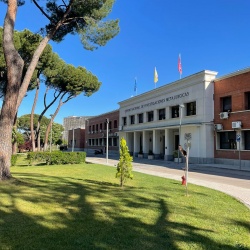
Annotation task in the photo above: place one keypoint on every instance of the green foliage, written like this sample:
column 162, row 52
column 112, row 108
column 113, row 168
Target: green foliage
column 24, row 125
column 85, row 18
column 56, row 157
column 175, row 153
column 13, row 160
column 124, row 167
column 26, row 43
column 150, row 152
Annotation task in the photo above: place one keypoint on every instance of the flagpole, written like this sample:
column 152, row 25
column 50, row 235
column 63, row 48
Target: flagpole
column 179, row 65
column 135, row 86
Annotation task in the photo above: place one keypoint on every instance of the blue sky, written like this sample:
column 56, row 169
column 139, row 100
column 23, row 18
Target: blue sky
column 210, row 35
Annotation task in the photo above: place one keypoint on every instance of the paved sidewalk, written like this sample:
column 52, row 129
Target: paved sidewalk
column 233, row 182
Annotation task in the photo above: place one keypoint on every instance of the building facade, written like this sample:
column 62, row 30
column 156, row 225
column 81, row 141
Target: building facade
column 101, row 128
column 181, row 112
column 73, row 122
column 76, row 139
column 232, row 119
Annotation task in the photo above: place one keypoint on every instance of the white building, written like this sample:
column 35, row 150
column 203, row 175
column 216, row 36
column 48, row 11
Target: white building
column 161, row 119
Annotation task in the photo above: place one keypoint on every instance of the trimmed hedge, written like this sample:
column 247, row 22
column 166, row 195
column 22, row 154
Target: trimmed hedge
column 57, row 157
column 13, row 160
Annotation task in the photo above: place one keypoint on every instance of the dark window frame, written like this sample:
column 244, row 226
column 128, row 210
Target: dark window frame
column 132, row 119
column 191, row 108
column 150, row 116
column 175, row 111
column 124, row 120
column 226, row 103
column 247, row 100
column 140, row 118
column 228, row 140
column 162, row 114
column 246, row 135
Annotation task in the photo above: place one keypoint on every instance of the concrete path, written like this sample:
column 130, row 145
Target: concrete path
column 233, row 182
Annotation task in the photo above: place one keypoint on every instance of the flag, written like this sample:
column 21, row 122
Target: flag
column 155, row 76
column 135, row 88
column 179, row 65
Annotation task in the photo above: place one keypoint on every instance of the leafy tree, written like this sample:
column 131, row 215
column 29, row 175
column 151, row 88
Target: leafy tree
column 124, row 167
column 24, row 127
column 73, row 16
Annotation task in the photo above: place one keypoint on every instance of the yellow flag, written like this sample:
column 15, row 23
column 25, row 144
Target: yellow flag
column 155, row 76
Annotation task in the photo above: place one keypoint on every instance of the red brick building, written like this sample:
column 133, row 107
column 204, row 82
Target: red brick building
column 96, row 132
column 232, row 119
column 76, row 139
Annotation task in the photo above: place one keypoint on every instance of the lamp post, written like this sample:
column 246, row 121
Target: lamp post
column 51, row 121
column 73, row 140
column 86, row 134
column 107, row 141
column 180, row 113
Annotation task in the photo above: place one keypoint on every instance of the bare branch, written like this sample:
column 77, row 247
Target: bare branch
column 40, row 8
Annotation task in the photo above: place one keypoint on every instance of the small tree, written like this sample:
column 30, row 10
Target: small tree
column 124, row 167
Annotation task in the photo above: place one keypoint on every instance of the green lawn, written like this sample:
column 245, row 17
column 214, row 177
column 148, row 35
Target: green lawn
column 83, row 207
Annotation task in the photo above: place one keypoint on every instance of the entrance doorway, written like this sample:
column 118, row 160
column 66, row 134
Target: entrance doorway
column 176, row 142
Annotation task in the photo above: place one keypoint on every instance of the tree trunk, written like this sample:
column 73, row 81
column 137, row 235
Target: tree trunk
column 14, row 143
column 51, row 121
column 16, row 89
column 14, row 73
column 46, row 107
column 32, row 116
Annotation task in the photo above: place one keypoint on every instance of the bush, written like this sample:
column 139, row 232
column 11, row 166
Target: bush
column 57, row 157
column 13, row 160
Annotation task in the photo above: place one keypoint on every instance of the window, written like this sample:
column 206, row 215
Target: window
column 124, row 120
column 228, row 140
column 161, row 114
column 100, row 126
column 115, row 123
column 110, row 124
column 132, row 119
column 246, row 135
column 226, row 104
column 191, row 108
column 140, row 118
column 175, row 111
column 150, row 116
column 115, row 142
column 96, row 127
column 89, row 128
column 247, row 100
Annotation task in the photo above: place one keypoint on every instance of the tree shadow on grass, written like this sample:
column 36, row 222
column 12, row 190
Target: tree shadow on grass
column 48, row 212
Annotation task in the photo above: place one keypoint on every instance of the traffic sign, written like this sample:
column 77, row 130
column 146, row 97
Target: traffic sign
column 238, row 137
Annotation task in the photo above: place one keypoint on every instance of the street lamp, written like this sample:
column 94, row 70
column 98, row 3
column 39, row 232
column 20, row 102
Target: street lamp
column 181, row 106
column 107, row 141
column 86, row 134
column 51, row 123
column 73, row 140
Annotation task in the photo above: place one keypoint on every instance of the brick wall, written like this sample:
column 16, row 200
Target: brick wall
column 235, row 85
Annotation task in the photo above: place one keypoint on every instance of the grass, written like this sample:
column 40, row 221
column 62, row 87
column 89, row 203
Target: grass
column 83, row 207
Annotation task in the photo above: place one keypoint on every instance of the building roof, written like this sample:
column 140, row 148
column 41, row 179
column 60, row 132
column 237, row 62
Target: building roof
column 235, row 73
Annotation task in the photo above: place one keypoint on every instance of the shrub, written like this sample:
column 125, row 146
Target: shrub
column 57, row 157
column 124, row 166
column 13, row 160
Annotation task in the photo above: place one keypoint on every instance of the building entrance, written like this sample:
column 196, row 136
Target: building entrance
column 176, row 142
